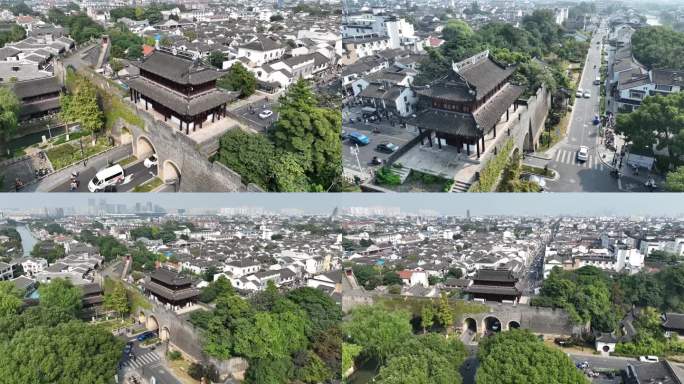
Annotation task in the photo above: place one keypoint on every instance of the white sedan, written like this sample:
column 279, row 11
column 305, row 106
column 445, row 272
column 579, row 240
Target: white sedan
column 151, row 161
column 265, row 114
column 579, row 93
column 583, row 154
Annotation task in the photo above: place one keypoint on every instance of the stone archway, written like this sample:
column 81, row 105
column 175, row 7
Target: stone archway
column 144, row 147
column 142, row 319
column 470, row 324
column 164, row 334
column 152, row 323
column 492, row 324
column 170, row 173
column 513, row 325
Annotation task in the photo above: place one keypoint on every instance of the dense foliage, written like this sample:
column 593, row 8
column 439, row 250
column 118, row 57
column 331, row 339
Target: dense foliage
column 48, row 250
column 590, row 294
column 47, row 345
column 125, row 44
column 151, row 13
column 81, row 27
column 303, row 153
column 237, row 79
column 285, row 337
column 518, row 356
column 658, row 47
column 659, row 121
column 15, row 33
column 80, row 104
column 9, row 113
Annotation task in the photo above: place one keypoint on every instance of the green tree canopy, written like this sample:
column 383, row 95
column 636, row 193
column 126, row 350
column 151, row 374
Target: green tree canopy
column 238, row 79
column 69, row 353
column 61, row 294
column 675, row 180
column 658, row 47
column 378, row 330
column 9, row 113
column 80, row 104
column 311, row 133
column 10, row 299
column 658, row 121
column 517, row 356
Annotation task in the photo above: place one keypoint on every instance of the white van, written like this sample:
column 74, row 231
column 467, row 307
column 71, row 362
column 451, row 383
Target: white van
column 597, row 81
column 106, row 177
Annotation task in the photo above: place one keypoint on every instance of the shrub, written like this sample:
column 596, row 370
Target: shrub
column 384, row 176
column 491, row 171
column 174, row 355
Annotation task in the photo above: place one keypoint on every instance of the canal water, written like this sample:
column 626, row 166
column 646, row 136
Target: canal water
column 27, row 239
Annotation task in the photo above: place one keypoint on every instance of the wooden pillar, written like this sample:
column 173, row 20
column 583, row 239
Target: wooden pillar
column 430, row 139
column 507, row 116
column 420, row 132
column 439, row 142
column 477, row 143
column 483, row 145
column 495, row 128
column 187, row 127
column 467, row 148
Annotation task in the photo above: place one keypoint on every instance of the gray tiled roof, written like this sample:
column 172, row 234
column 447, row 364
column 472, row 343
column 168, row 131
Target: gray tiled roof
column 177, row 68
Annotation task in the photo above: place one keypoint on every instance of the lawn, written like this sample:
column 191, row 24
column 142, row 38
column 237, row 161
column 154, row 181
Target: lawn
column 69, row 153
column 149, row 186
column 128, row 160
column 538, row 171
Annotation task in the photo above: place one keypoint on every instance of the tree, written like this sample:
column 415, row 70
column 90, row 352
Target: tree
column 391, row 278
column 117, row 299
column 675, row 180
column 238, row 79
column 248, row 154
column 80, row 105
column 659, row 122
column 9, row 113
column 444, row 313
column 288, row 173
column 61, row 294
column 268, row 371
column 116, row 65
column 68, row 353
column 427, row 317
column 269, row 335
column 311, row 133
column 10, row 299
column 517, row 356
column 277, row 17
column 48, row 250
column 658, row 47
column 216, row 58
column 322, row 311
column 425, row 359
column 378, row 330
column 310, row 368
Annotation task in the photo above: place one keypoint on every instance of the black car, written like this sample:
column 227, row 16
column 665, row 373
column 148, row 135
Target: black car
column 387, row 148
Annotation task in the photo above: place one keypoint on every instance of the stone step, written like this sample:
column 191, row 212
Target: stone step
column 460, row 186
column 401, row 172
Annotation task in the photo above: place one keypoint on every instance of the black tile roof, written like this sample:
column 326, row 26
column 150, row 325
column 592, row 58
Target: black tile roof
column 35, row 87
column 178, row 68
column 169, row 277
column 490, row 112
column 181, row 104
column 453, row 123
column 674, row 321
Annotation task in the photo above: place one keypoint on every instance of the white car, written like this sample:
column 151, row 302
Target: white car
column 648, row 359
column 587, row 94
column 579, row 92
column 151, row 161
column 107, row 177
column 265, row 114
column 583, row 154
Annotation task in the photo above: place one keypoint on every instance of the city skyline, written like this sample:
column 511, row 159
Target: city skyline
column 395, row 204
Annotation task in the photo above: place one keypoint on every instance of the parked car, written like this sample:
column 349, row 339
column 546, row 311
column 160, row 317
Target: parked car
column 649, row 359
column 387, row 147
column 587, row 94
column 579, row 92
column 146, row 335
column 265, row 114
column 359, row 138
column 583, row 154
column 151, row 161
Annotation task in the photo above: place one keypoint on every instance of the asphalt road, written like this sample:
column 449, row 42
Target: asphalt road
column 253, row 118
column 387, row 134
column 601, row 362
column 592, row 175
column 147, row 363
column 136, row 174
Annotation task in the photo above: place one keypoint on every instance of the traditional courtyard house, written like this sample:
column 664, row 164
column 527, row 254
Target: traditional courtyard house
column 180, row 89
column 38, row 97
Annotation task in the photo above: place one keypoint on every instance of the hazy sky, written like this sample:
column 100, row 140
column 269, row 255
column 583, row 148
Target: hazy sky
column 447, row 204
